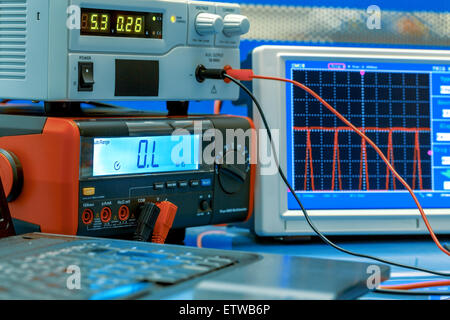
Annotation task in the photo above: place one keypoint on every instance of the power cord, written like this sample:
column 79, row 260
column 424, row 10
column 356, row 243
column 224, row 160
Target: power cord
column 411, row 293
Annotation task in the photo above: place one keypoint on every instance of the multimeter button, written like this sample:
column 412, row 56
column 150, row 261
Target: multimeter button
column 171, row 184
column 158, row 185
column 194, row 183
column 206, row 182
column 182, row 184
column 88, row 191
column 204, row 205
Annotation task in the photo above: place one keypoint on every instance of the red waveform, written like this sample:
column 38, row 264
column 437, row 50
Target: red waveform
column 364, row 167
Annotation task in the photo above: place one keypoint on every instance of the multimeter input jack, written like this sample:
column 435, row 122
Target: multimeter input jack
column 124, row 213
column 105, row 214
column 87, row 216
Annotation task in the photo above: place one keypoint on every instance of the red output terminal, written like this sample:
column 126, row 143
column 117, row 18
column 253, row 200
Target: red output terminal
column 124, row 213
column 87, row 216
column 105, row 214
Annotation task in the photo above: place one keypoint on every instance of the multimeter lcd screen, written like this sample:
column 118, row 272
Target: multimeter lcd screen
column 141, row 155
column 112, row 23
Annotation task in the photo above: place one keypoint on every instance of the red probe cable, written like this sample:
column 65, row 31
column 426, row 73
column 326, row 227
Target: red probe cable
column 218, row 106
column 418, row 285
column 206, row 233
column 247, row 75
column 164, row 222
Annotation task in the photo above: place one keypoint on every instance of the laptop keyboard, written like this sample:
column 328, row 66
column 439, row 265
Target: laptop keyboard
column 104, row 270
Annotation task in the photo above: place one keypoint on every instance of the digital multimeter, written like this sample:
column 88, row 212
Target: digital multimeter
column 92, row 176
column 106, row 50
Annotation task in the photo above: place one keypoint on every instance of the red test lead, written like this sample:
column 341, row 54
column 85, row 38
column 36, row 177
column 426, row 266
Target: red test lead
column 240, row 74
column 164, row 222
column 248, row 75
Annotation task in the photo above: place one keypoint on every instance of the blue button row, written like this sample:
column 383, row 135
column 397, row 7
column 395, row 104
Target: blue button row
column 182, row 184
column 206, row 182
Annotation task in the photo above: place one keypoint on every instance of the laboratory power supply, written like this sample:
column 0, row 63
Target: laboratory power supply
column 102, row 50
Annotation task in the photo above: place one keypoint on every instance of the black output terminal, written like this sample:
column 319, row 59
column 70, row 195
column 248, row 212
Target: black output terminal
column 202, row 73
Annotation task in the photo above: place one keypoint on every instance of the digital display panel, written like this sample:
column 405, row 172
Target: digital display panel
column 143, row 155
column 96, row 22
column 403, row 107
column 130, row 24
column 113, row 23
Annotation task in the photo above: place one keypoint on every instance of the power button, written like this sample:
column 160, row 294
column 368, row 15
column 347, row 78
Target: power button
column 86, row 76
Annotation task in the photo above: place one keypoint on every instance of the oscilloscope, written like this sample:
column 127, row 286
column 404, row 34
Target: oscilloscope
column 91, row 50
column 399, row 98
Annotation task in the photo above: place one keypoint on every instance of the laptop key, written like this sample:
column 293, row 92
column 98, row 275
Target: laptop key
column 142, row 254
column 169, row 263
column 197, row 268
column 212, row 265
column 161, row 278
column 221, row 260
column 191, row 256
column 122, row 291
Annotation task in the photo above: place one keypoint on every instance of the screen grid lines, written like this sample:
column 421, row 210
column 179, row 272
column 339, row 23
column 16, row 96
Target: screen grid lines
column 390, row 107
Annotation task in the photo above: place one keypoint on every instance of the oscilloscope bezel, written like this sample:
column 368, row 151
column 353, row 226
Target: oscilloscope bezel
column 272, row 216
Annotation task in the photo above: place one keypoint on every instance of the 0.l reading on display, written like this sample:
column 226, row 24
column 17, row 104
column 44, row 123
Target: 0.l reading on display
column 144, row 155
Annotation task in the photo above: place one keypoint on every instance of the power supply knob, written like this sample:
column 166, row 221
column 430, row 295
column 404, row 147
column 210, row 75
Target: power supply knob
column 208, row 23
column 235, row 25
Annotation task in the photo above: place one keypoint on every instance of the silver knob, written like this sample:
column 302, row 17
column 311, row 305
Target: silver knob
column 208, row 23
column 235, row 25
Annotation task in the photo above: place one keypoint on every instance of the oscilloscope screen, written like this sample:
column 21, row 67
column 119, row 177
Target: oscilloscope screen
column 392, row 104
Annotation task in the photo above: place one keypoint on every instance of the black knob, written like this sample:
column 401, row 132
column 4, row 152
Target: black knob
column 232, row 177
column 204, row 205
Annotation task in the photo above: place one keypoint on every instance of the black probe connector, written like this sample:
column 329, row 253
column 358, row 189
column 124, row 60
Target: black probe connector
column 146, row 222
column 202, row 73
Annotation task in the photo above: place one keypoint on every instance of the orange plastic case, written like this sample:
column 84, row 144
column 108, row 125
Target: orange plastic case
column 50, row 164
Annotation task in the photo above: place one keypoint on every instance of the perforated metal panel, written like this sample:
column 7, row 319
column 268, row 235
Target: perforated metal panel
column 13, row 42
column 340, row 25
